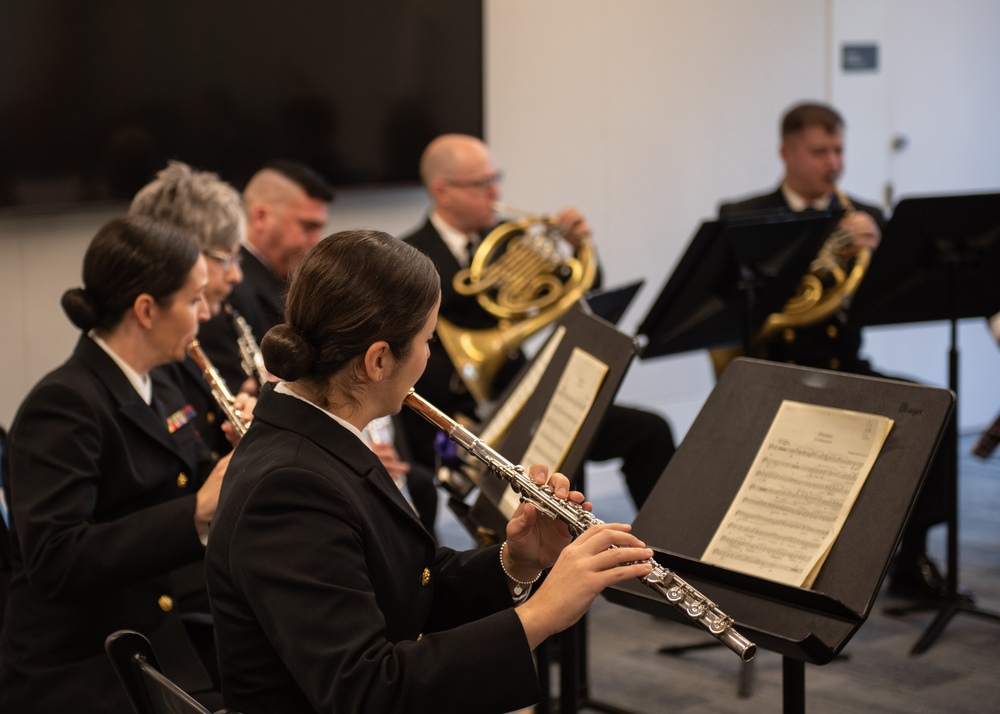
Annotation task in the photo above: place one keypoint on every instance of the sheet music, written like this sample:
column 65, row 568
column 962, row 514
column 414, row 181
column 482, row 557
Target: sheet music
column 567, row 410
column 798, row 492
column 524, row 389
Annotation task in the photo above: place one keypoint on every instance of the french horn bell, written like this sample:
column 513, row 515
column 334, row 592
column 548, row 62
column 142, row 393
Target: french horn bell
column 522, row 274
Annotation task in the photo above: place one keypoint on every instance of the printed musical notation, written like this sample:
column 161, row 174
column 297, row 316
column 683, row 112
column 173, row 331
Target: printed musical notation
column 570, row 404
column 798, row 492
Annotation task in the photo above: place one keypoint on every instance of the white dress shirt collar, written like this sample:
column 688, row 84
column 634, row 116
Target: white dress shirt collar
column 798, row 203
column 283, row 388
column 143, row 385
column 456, row 240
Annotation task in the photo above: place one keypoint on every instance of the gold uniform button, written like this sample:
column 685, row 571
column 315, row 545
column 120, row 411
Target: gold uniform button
column 425, row 577
column 166, row 603
column 831, row 331
column 210, row 418
column 182, row 480
column 834, row 363
column 789, row 335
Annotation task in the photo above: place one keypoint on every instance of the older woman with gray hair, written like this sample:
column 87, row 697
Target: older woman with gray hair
column 209, row 209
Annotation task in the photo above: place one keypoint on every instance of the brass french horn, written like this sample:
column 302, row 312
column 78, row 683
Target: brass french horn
column 831, row 281
column 521, row 274
column 833, row 277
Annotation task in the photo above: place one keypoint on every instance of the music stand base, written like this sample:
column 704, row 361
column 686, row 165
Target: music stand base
column 950, row 609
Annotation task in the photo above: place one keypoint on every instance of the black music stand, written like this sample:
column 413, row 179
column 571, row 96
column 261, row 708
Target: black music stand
column 690, row 500
column 595, row 336
column 939, row 260
column 734, row 273
column 611, row 304
column 615, row 349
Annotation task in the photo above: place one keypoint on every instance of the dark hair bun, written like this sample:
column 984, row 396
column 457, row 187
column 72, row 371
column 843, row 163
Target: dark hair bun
column 79, row 307
column 287, row 354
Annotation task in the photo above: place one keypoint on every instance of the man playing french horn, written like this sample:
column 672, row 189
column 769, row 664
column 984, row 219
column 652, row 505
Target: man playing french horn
column 463, row 183
column 812, row 150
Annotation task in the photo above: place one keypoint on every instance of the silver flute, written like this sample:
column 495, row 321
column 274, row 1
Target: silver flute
column 678, row 593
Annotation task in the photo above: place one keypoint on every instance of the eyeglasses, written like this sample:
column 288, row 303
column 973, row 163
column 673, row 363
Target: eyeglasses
column 225, row 259
column 483, row 184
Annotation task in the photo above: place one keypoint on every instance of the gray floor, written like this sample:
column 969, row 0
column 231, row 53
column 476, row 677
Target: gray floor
column 959, row 673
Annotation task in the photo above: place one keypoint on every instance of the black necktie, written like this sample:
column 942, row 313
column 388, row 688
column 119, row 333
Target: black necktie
column 470, row 250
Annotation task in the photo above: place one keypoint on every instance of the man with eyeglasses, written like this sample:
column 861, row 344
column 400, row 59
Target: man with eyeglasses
column 463, row 182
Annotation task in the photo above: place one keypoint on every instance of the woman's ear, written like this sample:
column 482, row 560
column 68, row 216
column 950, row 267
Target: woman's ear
column 143, row 308
column 379, row 361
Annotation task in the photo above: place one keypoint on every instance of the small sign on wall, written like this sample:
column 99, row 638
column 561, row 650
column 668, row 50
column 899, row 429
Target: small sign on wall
column 859, row 58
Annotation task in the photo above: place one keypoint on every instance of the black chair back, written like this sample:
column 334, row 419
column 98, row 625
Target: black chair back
column 148, row 690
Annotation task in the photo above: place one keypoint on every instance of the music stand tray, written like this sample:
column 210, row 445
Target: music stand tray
column 694, row 493
column 734, row 273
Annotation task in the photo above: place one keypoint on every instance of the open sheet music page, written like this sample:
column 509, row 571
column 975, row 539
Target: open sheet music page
column 567, row 410
column 509, row 410
column 800, row 488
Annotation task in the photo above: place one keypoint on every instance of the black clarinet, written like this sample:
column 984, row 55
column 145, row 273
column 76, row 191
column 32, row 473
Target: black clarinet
column 677, row 592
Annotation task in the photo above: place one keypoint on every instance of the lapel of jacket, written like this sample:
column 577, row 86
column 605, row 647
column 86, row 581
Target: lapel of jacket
column 294, row 415
column 778, row 199
column 129, row 403
column 428, row 241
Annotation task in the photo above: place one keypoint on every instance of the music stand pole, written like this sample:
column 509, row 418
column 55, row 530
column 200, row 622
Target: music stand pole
column 938, row 261
column 955, row 602
column 793, row 685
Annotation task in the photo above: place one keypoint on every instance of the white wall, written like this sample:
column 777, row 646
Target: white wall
column 938, row 90
column 645, row 114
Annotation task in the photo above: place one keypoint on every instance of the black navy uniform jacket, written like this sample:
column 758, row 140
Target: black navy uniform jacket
column 102, row 500
column 329, row 596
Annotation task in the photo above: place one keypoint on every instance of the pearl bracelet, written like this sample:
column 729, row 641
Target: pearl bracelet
column 519, row 585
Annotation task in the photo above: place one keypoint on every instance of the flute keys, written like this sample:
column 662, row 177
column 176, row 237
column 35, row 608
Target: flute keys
column 696, row 608
column 720, row 625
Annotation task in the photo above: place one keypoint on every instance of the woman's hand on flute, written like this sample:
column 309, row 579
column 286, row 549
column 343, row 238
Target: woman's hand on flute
column 602, row 555
column 534, row 540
